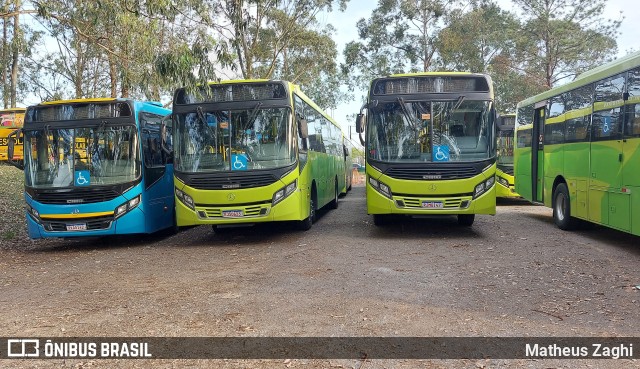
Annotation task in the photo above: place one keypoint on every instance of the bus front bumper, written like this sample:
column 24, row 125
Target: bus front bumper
column 130, row 223
column 444, row 205
column 288, row 209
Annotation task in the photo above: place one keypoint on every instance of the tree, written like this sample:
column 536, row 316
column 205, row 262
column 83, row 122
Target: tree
column 16, row 39
column 484, row 40
column 562, row 38
column 400, row 36
column 281, row 39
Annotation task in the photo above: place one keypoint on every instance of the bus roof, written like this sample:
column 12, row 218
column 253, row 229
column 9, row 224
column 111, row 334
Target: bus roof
column 13, row 110
column 442, row 74
column 73, row 101
column 617, row 66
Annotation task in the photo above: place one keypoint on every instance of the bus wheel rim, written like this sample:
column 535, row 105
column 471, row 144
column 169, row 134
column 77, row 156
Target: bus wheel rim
column 560, row 203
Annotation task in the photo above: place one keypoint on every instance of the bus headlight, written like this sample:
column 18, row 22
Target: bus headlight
column 285, row 191
column 503, row 182
column 185, row 199
column 126, row 207
column 380, row 187
column 483, row 187
column 33, row 213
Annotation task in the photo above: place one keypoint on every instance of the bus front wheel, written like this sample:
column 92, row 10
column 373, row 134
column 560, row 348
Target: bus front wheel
column 380, row 219
column 466, row 220
column 305, row 224
column 562, row 208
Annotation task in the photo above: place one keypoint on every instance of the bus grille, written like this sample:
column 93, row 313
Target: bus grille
column 230, row 182
column 249, row 211
column 76, row 196
column 439, row 173
column 93, row 224
column 416, row 203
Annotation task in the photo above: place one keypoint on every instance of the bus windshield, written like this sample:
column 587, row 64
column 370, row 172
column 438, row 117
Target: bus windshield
column 505, row 147
column 430, row 131
column 81, row 156
column 234, row 140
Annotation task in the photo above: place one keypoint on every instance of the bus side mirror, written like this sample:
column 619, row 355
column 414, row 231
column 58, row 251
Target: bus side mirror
column 360, row 123
column 303, row 128
column 346, row 151
column 166, row 140
column 11, row 146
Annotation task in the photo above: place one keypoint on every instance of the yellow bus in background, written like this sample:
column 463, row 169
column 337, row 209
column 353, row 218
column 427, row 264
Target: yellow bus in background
column 10, row 120
column 504, row 171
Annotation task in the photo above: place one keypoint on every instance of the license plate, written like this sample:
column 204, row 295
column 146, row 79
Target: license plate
column 232, row 213
column 432, row 204
column 77, row 227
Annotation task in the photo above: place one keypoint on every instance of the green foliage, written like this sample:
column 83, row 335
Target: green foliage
column 563, row 38
column 400, row 36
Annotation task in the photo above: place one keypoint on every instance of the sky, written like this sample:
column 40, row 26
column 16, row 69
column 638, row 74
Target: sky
column 345, row 24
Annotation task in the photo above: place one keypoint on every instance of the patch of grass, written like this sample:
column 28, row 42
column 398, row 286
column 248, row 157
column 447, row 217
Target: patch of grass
column 8, row 235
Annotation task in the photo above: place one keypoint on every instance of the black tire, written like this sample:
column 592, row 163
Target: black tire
column 562, row 208
column 466, row 220
column 380, row 219
column 334, row 203
column 306, row 224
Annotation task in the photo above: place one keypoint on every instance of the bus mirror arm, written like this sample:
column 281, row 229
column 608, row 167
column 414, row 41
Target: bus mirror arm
column 163, row 143
column 303, row 128
column 11, row 145
column 361, row 139
column 360, row 123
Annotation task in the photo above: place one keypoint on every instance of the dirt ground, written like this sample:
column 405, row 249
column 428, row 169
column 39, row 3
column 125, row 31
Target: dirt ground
column 513, row 274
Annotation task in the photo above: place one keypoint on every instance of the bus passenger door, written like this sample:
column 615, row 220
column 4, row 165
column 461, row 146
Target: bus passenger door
column 537, row 154
column 607, row 204
column 158, row 176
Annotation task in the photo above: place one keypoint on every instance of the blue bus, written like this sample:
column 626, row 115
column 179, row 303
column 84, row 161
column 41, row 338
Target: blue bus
column 95, row 167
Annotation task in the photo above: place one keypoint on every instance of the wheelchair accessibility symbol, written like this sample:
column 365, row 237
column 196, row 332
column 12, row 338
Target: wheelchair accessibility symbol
column 238, row 162
column 441, row 153
column 82, row 178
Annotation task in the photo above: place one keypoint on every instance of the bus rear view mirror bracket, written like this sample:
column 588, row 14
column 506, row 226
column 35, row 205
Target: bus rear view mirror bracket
column 11, row 144
column 303, row 128
column 360, row 123
column 163, row 140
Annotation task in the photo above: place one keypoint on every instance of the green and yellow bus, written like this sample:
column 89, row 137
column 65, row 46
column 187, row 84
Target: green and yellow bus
column 577, row 148
column 430, row 145
column 504, row 171
column 10, row 120
column 249, row 151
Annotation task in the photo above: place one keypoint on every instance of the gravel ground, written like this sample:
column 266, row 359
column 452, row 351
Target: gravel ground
column 511, row 275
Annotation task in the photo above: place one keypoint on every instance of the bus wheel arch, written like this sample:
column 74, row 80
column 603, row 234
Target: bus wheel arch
column 561, row 204
column 305, row 224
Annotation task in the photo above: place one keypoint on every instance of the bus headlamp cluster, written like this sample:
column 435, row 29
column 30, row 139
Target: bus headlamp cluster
column 483, row 187
column 285, row 191
column 35, row 215
column 503, row 182
column 126, row 207
column 380, row 187
column 185, row 199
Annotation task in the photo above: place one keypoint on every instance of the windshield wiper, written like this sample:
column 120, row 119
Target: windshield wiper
column 458, row 103
column 201, row 115
column 253, row 116
column 404, row 111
